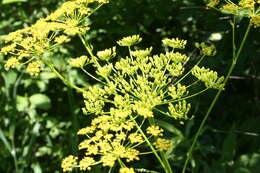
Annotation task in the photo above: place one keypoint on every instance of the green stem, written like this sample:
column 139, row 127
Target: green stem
column 178, row 81
column 68, row 83
column 93, row 77
column 234, row 61
column 184, row 98
column 163, row 156
column 87, row 46
column 151, row 146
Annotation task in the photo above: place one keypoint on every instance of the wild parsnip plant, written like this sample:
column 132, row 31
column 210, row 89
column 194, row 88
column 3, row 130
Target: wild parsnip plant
column 129, row 91
column 127, row 97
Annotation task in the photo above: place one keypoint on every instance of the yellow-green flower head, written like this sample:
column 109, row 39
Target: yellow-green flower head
column 126, row 170
column 179, row 110
column 61, row 39
column 255, row 20
column 162, row 144
column 68, row 163
column 8, row 49
column 86, row 163
column 208, row 50
column 142, row 53
column 108, row 160
column 34, row 68
column 135, row 138
column 129, row 41
column 175, row 43
column 231, row 8
column 131, row 154
column 177, row 57
column 247, row 3
column 107, row 54
column 86, row 130
column 12, row 63
column 209, row 77
column 154, row 131
column 78, row 62
column 213, row 3
column 177, row 91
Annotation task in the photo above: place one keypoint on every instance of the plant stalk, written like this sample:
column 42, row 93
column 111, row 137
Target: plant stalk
column 234, row 61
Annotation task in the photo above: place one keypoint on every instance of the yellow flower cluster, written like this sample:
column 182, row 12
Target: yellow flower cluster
column 125, row 99
column 162, row 144
column 213, row 3
column 247, row 3
column 175, row 43
column 209, row 77
column 34, row 68
column 78, row 62
column 154, row 130
column 107, row 54
column 207, row 50
column 142, row 53
column 33, row 41
column 12, row 63
column 244, row 8
column 68, row 163
column 255, row 20
column 130, row 40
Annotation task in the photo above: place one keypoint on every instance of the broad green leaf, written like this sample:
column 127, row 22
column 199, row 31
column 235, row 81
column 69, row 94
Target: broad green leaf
column 36, row 168
column 229, row 146
column 47, row 75
column 12, row 1
column 40, row 101
column 22, row 103
column 10, row 78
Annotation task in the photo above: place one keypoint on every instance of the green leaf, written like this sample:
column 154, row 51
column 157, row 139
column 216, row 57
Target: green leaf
column 40, row 101
column 36, row 168
column 22, row 103
column 10, row 78
column 12, row 1
column 229, row 146
column 169, row 127
column 47, row 75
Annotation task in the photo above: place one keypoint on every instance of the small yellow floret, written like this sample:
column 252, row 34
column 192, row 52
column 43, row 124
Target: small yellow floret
column 175, row 43
column 68, row 163
column 135, row 138
column 162, row 144
column 108, row 160
column 62, row 39
column 247, row 3
column 231, row 9
column 86, row 163
column 107, row 54
column 130, row 40
column 12, row 63
column 78, row 62
column 34, row 68
column 7, row 49
column 255, row 20
column 213, row 3
column 155, row 131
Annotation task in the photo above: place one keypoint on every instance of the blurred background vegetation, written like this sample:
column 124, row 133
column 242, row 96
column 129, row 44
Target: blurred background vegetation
column 39, row 116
